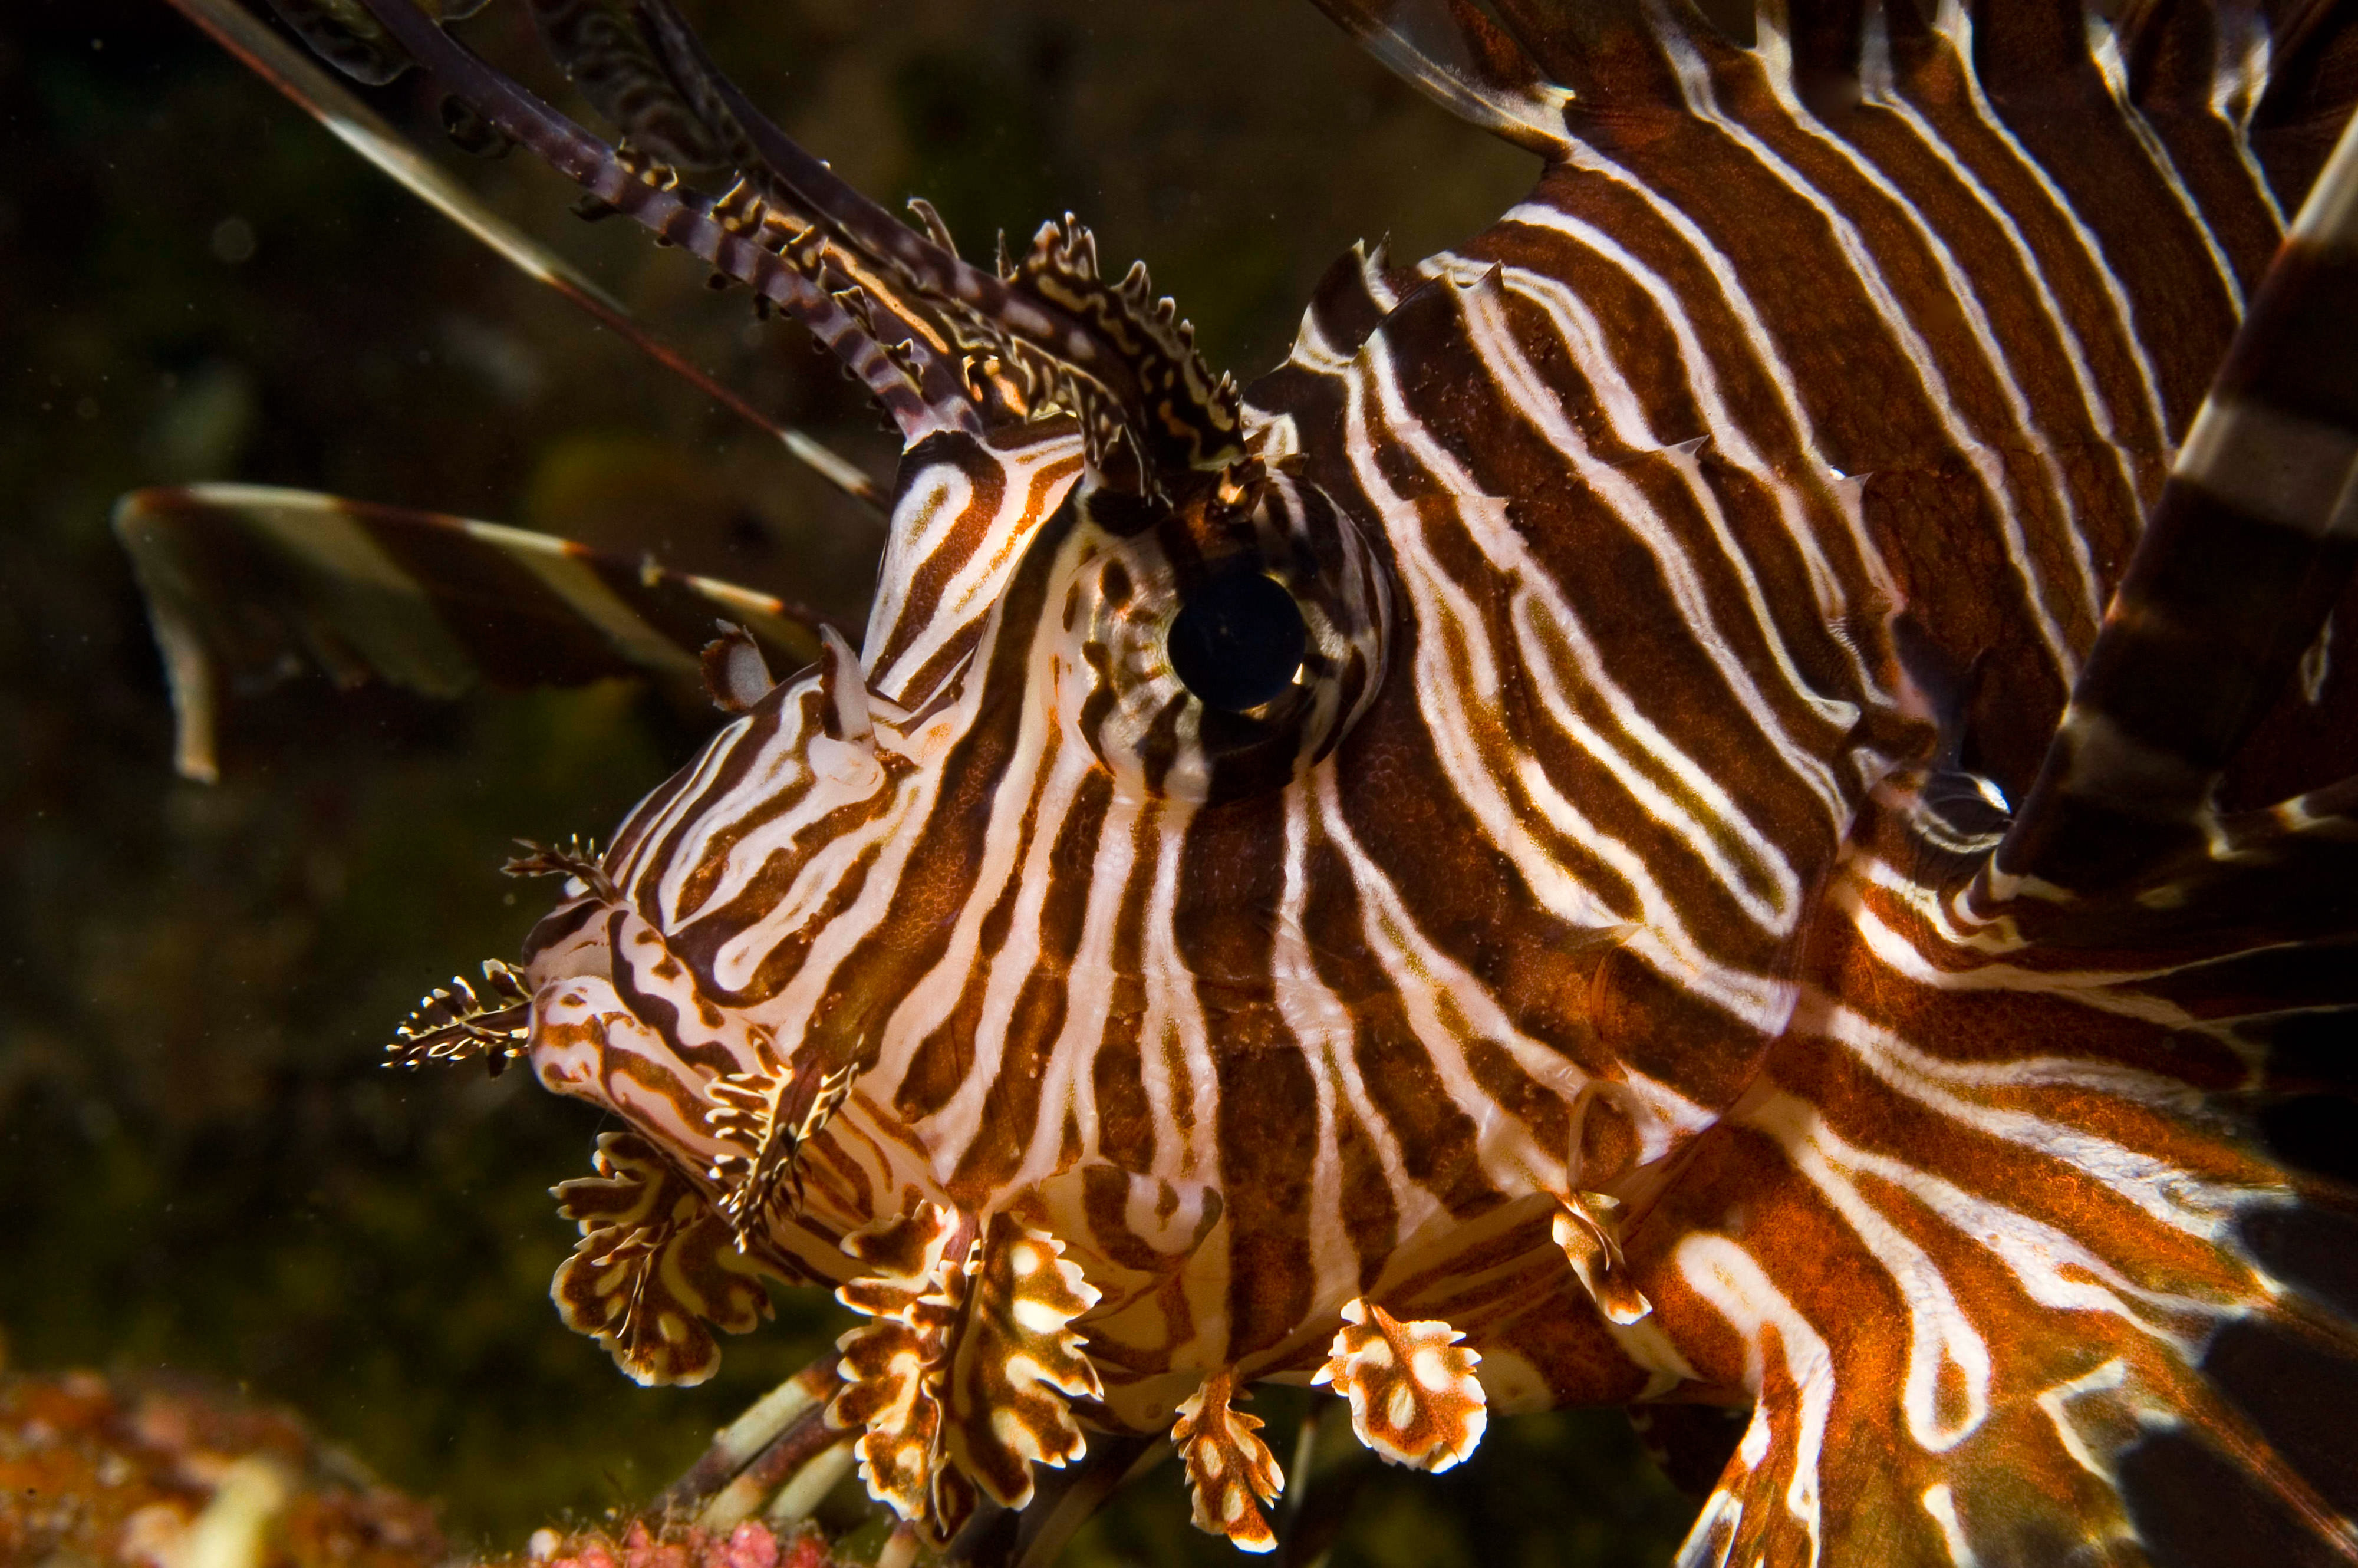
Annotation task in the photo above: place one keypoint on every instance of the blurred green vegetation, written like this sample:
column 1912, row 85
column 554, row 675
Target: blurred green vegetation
column 200, row 1163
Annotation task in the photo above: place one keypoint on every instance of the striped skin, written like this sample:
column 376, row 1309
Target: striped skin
column 1643, row 828
column 1616, row 970
column 1954, row 1133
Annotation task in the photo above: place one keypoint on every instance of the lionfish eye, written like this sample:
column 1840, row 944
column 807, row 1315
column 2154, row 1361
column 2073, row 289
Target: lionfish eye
column 1214, row 659
column 1238, row 640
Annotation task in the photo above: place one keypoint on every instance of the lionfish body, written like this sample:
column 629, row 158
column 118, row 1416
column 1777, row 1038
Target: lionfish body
column 1797, row 822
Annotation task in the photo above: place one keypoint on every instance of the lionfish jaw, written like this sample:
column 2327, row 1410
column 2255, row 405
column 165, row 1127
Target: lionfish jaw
column 620, row 1019
column 628, row 1019
column 769, row 1116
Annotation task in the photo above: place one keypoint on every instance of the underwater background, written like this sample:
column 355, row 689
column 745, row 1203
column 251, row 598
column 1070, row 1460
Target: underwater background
column 202, row 1166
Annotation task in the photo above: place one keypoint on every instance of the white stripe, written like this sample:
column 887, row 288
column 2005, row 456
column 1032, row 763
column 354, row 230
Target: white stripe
column 2302, row 473
column 1069, row 1081
column 1702, row 99
column 1734, row 1285
column 1942, row 1507
column 1939, row 1335
column 952, row 1129
column 1430, row 986
column 2075, row 353
column 1777, row 48
column 1728, row 435
column 1520, row 385
column 2166, row 1192
column 1321, row 1026
column 2104, row 48
column 1446, row 691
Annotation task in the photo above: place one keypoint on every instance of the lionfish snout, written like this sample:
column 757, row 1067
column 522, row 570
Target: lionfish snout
column 674, row 987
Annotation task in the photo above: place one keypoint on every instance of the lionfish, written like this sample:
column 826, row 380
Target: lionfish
column 1740, row 795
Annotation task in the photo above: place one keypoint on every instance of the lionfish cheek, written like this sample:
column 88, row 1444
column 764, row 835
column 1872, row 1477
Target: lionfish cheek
column 571, row 1020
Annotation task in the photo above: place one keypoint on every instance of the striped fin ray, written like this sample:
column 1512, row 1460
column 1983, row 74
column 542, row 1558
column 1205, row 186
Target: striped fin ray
column 366, row 132
column 2246, row 563
column 976, row 349
column 2010, row 1248
column 883, row 347
column 244, row 582
column 1048, row 332
column 1464, row 60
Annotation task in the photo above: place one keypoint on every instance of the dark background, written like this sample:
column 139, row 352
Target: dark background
column 202, row 1166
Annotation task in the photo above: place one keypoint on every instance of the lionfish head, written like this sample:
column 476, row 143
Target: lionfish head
column 916, row 965
column 1083, row 639
column 885, row 981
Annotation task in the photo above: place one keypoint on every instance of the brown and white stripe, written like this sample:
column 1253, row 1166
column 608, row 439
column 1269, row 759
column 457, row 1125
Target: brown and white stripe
column 1784, row 877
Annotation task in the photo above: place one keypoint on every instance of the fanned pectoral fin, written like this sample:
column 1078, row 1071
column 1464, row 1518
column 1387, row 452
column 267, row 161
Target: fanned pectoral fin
column 1018, row 1363
column 2008, row 1313
column 655, row 1269
column 246, row 584
column 2065, row 1147
column 2075, row 1451
column 2106, row 1468
column 1414, row 1399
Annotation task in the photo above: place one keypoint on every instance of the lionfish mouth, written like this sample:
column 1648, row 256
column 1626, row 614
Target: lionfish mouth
column 619, row 1019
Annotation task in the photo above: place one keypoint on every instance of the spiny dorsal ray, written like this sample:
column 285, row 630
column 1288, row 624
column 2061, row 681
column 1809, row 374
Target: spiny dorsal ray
column 926, row 309
column 361, row 128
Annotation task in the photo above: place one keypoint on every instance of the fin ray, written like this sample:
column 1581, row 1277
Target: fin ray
column 243, row 581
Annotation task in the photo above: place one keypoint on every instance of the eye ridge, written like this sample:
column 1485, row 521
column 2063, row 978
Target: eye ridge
column 1238, row 640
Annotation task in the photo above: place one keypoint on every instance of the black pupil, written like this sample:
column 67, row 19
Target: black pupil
column 1238, row 640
